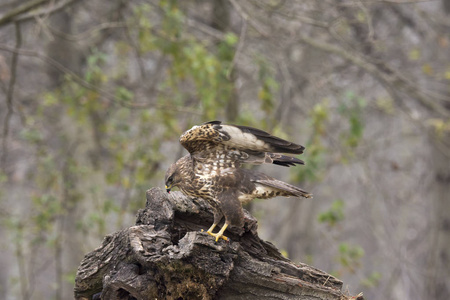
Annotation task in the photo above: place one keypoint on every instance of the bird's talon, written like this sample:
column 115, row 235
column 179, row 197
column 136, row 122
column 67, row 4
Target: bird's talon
column 217, row 236
column 222, row 237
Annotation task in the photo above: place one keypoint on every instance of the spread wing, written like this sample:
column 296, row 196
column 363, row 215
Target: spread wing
column 240, row 144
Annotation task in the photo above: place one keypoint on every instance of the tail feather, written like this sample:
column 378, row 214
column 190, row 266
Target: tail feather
column 284, row 160
column 288, row 189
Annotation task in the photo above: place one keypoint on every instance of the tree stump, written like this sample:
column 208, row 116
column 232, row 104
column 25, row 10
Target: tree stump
column 166, row 256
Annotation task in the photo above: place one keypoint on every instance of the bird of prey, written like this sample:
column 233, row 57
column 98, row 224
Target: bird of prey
column 212, row 170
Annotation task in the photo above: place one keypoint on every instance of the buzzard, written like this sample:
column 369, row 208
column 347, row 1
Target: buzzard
column 212, row 170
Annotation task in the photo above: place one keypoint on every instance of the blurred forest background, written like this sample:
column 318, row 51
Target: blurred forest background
column 95, row 94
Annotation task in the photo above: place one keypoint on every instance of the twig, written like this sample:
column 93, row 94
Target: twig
column 219, row 35
column 9, row 16
column 87, row 85
column 371, row 33
column 291, row 15
column 9, row 95
column 46, row 11
column 72, row 75
column 88, row 33
column 9, row 3
column 353, row 3
column 380, row 71
column 239, row 48
column 20, row 256
column 246, row 17
column 326, row 280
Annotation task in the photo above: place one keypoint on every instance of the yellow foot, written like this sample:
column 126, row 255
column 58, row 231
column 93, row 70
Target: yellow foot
column 217, row 235
column 220, row 233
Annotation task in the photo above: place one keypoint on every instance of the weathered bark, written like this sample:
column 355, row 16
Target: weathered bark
column 166, row 256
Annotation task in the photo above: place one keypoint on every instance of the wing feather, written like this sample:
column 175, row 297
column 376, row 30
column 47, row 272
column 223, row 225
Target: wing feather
column 255, row 139
column 275, row 144
column 249, row 145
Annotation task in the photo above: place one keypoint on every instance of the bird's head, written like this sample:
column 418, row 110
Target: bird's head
column 173, row 177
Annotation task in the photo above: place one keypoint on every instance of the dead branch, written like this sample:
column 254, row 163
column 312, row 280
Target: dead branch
column 166, row 256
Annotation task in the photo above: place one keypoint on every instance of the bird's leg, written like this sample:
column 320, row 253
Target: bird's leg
column 220, row 233
column 217, row 217
column 211, row 228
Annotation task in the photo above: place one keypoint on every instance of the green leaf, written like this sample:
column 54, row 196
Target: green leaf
column 334, row 215
column 124, row 94
column 231, row 39
column 414, row 54
column 372, row 280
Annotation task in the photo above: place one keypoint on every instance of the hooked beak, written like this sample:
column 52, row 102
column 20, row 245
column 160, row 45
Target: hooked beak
column 168, row 189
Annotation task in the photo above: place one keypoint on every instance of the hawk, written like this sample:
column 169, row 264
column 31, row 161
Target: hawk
column 212, row 170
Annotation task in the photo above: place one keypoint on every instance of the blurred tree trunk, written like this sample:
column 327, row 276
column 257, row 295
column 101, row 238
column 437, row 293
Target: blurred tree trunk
column 446, row 5
column 61, row 49
column 221, row 21
column 438, row 282
column 67, row 250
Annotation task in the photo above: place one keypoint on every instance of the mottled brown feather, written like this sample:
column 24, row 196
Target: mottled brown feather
column 211, row 170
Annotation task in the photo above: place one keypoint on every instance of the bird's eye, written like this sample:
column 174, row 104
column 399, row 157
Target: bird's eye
column 170, row 179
